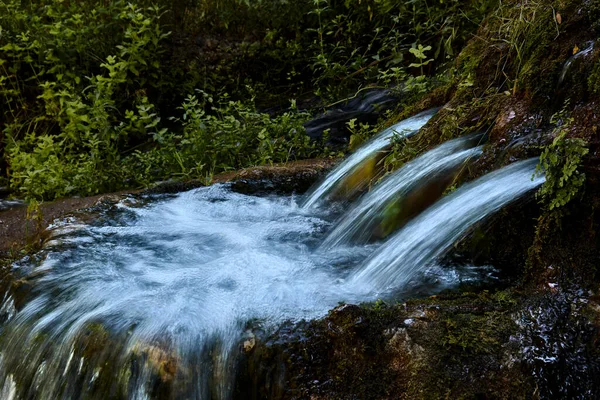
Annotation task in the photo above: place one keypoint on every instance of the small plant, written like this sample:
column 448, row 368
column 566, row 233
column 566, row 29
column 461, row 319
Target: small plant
column 422, row 60
column 379, row 305
column 561, row 163
column 360, row 133
column 35, row 219
column 403, row 150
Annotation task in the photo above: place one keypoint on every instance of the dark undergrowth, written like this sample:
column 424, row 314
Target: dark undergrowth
column 99, row 96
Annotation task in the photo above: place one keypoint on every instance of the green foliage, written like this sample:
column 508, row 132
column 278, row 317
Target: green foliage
column 63, row 94
column 404, row 149
column 80, row 105
column 356, row 40
column 90, row 89
column 329, row 47
column 360, row 133
column 233, row 135
column 561, row 163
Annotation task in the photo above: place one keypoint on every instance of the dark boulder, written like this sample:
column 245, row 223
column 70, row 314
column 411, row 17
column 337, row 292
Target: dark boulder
column 366, row 107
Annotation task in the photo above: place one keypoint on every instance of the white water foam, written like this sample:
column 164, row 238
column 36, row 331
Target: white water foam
column 377, row 144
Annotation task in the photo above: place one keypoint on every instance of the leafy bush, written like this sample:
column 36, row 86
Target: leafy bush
column 233, row 135
column 329, row 47
column 63, row 92
column 561, row 162
column 355, row 40
column 79, row 114
column 90, row 88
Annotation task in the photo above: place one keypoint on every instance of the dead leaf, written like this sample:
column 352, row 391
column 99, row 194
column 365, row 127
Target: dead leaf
column 575, row 50
column 558, row 18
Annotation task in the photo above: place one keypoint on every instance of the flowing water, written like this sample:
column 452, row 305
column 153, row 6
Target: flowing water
column 160, row 295
column 428, row 236
column 8, row 204
column 360, row 222
column 587, row 49
column 176, row 275
column 367, row 107
column 156, row 299
column 406, row 128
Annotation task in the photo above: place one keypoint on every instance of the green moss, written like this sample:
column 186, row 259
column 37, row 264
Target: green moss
column 471, row 334
column 454, row 345
column 465, row 347
column 593, row 80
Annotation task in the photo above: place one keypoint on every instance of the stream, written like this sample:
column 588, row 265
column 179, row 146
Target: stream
column 160, row 294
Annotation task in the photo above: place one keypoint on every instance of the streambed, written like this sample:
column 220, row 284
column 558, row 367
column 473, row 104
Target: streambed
column 161, row 295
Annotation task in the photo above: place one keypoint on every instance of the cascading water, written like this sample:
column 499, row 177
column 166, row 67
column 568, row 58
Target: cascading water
column 8, row 204
column 155, row 300
column 159, row 296
column 164, row 293
column 365, row 107
column 377, row 144
column 182, row 277
column 441, row 163
column 429, row 235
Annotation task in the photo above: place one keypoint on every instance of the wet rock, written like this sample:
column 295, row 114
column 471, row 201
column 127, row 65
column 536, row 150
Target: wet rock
column 556, row 340
column 109, row 199
column 163, row 363
column 449, row 346
column 345, row 318
column 287, row 178
column 367, row 107
column 9, row 204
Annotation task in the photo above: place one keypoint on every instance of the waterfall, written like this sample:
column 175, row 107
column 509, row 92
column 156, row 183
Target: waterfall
column 428, row 236
column 161, row 296
column 426, row 171
column 156, row 299
column 589, row 46
column 371, row 149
